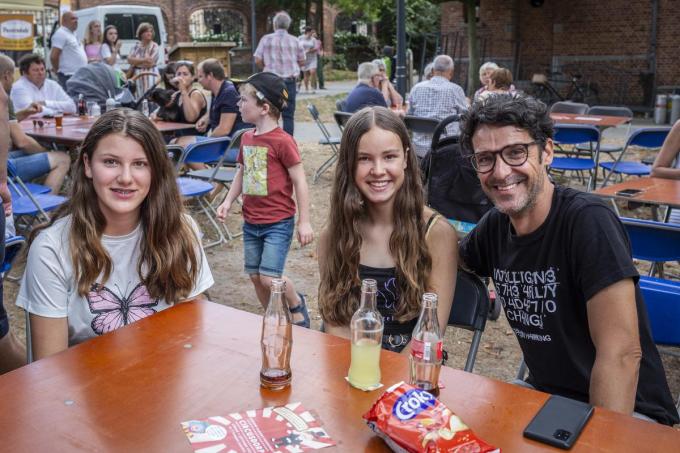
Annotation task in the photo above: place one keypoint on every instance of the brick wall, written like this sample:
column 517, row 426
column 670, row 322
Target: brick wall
column 605, row 40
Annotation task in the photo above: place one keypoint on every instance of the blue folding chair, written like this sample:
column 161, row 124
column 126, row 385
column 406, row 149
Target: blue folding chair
column 208, row 151
column 13, row 245
column 646, row 137
column 28, row 205
column 653, row 241
column 572, row 135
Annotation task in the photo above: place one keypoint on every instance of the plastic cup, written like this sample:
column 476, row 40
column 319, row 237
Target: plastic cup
column 89, row 104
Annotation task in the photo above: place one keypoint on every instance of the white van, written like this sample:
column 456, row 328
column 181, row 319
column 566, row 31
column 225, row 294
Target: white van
column 126, row 18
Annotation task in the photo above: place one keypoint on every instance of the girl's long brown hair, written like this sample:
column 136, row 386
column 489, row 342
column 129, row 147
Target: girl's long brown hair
column 168, row 263
column 339, row 287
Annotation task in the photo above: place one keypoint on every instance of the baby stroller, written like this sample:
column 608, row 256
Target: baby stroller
column 98, row 81
column 453, row 188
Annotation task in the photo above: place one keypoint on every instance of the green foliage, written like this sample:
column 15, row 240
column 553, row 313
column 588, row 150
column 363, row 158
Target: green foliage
column 222, row 37
column 355, row 48
column 337, row 61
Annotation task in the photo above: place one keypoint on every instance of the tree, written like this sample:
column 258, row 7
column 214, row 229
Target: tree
column 473, row 46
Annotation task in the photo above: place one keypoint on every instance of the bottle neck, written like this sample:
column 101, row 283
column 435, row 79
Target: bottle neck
column 368, row 300
column 276, row 303
column 428, row 315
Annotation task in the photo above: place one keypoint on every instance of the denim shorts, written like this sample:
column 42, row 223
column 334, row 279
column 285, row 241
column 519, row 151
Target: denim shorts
column 266, row 245
column 30, row 166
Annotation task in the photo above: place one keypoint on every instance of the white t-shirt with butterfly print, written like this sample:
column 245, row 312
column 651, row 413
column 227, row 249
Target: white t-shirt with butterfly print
column 48, row 287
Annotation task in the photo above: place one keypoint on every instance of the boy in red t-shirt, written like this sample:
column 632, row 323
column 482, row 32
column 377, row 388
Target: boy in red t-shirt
column 270, row 168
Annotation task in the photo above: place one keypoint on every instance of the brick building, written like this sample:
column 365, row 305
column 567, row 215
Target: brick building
column 609, row 42
column 187, row 18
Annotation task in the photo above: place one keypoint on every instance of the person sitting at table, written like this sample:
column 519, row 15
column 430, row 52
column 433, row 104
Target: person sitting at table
column 92, row 43
column 667, row 163
column 120, row 249
column 500, row 81
column 224, row 117
column 436, row 98
column 30, row 158
column 33, row 87
column 367, row 91
column 190, row 100
column 391, row 95
column 380, row 228
column 561, row 264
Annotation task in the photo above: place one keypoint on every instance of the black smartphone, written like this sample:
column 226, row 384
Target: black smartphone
column 628, row 192
column 559, row 422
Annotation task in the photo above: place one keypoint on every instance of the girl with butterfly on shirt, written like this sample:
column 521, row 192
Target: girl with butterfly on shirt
column 120, row 249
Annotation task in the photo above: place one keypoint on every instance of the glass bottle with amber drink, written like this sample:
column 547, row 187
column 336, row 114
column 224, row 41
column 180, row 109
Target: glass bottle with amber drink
column 366, row 330
column 276, row 340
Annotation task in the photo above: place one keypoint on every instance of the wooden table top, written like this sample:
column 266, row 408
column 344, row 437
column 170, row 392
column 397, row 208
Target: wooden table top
column 129, row 391
column 75, row 129
column 593, row 120
column 659, row 191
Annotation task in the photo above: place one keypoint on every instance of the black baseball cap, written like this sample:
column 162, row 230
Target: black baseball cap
column 271, row 87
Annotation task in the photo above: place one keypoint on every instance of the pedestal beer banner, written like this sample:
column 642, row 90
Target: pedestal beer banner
column 16, row 32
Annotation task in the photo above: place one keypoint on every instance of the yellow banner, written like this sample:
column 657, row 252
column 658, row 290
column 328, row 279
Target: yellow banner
column 16, row 32
column 64, row 5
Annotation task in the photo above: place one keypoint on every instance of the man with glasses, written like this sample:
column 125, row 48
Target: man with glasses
column 561, row 264
column 367, row 92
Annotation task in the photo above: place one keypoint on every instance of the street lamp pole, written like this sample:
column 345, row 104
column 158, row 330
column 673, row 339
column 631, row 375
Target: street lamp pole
column 401, row 47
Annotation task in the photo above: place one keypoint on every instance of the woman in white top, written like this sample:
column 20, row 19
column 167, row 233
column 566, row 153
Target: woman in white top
column 667, row 163
column 120, row 249
column 111, row 47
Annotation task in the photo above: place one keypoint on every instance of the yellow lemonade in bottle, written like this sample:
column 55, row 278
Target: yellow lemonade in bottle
column 364, row 370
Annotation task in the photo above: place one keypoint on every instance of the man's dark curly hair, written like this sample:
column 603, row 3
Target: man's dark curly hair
column 507, row 110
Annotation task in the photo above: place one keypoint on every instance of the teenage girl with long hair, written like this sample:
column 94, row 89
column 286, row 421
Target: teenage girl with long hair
column 380, row 228
column 120, row 249
column 111, row 47
column 93, row 41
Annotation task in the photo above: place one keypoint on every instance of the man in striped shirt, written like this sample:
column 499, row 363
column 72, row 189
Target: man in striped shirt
column 282, row 54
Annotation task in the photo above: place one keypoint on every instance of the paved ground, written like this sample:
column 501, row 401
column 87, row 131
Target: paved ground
column 309, row 132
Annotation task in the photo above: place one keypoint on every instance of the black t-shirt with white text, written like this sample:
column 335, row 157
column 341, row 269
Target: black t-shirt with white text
column 544, row 280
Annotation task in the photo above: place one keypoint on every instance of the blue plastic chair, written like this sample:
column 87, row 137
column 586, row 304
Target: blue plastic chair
column 608, row 148
column 653, row 241
column 662, row 299
column 209, row 151
column 646, row 137
column 13, row 245
column 572, row 135
column 27, row 204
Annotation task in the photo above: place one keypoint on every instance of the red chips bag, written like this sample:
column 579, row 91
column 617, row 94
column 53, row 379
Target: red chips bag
column 412, row 420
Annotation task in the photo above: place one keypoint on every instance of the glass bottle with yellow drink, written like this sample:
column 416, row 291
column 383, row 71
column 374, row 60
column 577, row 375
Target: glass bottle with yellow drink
column 366, row 329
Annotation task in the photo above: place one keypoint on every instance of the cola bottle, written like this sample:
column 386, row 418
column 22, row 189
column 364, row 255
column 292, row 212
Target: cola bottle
column 426, row 348
column 366, row 330
column 276, row 340
column 82, row 106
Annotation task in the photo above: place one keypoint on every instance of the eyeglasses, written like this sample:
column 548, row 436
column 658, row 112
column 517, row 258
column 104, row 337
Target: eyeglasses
column 513, row 155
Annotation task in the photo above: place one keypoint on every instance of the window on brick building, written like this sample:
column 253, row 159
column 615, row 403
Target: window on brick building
column 226, row 23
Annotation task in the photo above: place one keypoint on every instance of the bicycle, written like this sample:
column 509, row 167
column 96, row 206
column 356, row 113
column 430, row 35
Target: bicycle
column 578, row 91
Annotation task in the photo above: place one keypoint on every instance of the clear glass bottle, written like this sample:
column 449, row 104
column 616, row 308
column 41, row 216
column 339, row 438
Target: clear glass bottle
column 145, row 108
column 426, row 348
column 366, row 330
column 276, row 340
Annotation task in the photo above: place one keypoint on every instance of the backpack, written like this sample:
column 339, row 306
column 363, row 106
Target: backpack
column 453, row 188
